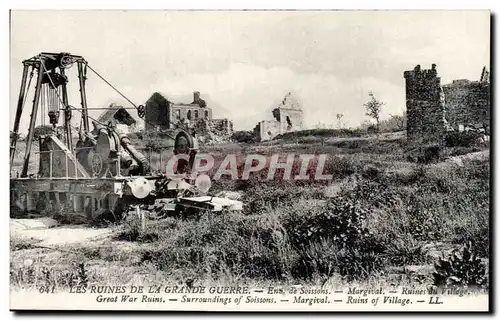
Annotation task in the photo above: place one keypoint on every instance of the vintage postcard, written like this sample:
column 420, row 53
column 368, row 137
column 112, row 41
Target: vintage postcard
column 250, row 160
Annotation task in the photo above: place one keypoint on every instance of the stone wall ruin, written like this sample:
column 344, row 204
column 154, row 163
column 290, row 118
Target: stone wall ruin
column 433, row 109
column 288, row 117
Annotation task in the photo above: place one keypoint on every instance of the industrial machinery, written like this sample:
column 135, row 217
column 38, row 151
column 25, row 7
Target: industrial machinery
column 100, row 171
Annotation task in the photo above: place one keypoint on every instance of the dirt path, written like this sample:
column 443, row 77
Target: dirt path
column 47, row 231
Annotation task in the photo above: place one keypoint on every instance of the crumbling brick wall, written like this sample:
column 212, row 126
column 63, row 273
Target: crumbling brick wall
column 214, row 130
column 288, row 116
column 425, row 106
column 267, row 129
column 157, row 113
column 467, row 104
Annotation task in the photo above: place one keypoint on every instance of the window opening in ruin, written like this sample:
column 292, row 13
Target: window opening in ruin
column 178, row 114
column 289, row 123
column 189, row 115
column 196, row 114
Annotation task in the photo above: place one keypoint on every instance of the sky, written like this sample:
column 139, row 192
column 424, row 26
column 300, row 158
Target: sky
column 244, row 62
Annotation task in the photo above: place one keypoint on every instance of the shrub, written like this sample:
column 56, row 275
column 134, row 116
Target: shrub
column 405, row 250
column 335, row 231
column 462, row 139
column 321, row 132
column 244, row 136
column 326, row 257
column 260, row 196
column 135, row 136
column 291, row 231
column 460, row 150
column 157, row 142
column 466, row 269
column 425, row 154
column 228, row 244
column 41, row 131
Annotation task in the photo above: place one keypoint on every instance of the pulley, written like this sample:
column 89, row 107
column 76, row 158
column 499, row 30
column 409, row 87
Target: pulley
column 141, row 111
column 66, row 62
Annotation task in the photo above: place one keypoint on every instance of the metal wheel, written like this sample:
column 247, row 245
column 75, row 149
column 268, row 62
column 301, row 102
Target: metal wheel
column 141, row 111
column 66, row 62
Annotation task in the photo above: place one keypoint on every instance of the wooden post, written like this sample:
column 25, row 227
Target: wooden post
column 29, row 139
column 83, row 97
column 19, row 112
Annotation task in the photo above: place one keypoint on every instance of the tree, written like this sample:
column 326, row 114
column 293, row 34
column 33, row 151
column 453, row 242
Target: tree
column 373, row 109
column 399, row 120
column 339, row 120
column 42, row 130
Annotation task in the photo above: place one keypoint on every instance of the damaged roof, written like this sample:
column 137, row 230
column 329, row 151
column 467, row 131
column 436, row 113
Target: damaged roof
column 117, row 115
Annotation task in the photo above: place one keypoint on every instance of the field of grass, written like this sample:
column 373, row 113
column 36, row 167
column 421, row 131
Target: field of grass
column 381, row 220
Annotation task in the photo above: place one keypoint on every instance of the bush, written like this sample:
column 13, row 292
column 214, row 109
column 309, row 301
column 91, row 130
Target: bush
column 320, row 132
column 335, row 232
column 244, row 137
column 425, row 154
column 405, row 250
column 460, row 150
column 284, row 240
column 227, row 244
column 466, row 269
column 135, row 136
column 41, row 131
column 290, row 231
column 325, row 257
column 260, row 196
column 462, row 139
column 157, row 142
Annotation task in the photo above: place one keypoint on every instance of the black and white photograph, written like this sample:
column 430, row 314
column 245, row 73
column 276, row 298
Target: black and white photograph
column 250, row 160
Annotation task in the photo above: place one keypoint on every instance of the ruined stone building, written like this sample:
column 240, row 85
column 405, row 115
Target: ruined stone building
column 433, row 109
column 468, row 103
column 119, row 118
column 424, row 105
column 162, row 114
column 288, row 116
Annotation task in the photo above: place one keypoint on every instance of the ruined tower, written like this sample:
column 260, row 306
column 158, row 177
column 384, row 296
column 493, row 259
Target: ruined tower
column 424, row 106
column 289, row 114
column 288, row 117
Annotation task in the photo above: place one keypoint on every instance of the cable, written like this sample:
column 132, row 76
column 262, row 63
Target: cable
column 108, row 83
column 135, row 106
column 98, row 75
column 62, row 102
column 73, row 108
